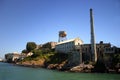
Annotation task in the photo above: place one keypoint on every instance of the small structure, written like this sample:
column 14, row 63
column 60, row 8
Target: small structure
column 39, row 46
column 86, row 50
column 12, row 57
column 62, row 36
column 50, row 45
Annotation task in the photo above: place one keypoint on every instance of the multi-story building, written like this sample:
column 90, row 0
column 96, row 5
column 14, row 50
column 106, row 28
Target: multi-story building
column 100, row 50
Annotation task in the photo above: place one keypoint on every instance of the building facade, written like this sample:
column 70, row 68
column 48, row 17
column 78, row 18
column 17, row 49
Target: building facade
column 83, row 51
column 68, row 45
column 100, row 50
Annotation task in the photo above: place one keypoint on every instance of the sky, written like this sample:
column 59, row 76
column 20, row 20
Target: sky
column 39, row 21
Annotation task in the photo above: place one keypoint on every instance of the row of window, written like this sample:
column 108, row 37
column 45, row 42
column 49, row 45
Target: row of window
column 65, row 47
column 109, row 49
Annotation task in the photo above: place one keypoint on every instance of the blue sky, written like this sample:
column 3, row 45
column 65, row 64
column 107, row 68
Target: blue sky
column 39, row 21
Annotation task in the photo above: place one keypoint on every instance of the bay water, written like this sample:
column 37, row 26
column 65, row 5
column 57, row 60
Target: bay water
column 12, row 72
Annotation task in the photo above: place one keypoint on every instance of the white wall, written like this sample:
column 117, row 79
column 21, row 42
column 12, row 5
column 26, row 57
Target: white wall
column 68, row 46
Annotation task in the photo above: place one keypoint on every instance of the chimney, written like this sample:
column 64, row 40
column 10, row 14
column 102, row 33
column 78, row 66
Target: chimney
column 93, row 44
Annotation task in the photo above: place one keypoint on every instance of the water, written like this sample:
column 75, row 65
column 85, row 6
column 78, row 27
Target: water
column 11, row 72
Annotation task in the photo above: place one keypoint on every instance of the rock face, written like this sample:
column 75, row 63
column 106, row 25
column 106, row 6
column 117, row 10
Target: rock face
column 82, row 68
column 32, row 63
column 63, row 66
column 57, row 66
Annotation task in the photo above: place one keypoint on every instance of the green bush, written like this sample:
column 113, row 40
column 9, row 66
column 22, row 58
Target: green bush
column 36, row 53
column 57, row 58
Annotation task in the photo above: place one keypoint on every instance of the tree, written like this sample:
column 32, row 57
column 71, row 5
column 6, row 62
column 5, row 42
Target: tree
column 24, row 51
column 30, row 46
column 116, row 61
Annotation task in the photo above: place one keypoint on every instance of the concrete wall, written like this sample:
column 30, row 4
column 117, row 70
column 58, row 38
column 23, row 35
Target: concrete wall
column 74, row 58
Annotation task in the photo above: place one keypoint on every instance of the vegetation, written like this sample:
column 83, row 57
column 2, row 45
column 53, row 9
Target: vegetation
column 36, row 53
column 116, row 59
column 24, row 51
column 106, row 62
column 45, row 52
column 30, row 46
column 57, row 58
column 49, row 56
column 100, row 66
column 116, row 62
column 39, row 54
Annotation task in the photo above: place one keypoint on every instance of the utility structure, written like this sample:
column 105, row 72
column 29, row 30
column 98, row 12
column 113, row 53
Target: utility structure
column 62, row 36
column 93, row 44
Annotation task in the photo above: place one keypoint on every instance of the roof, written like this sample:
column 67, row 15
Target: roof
column 70, row 40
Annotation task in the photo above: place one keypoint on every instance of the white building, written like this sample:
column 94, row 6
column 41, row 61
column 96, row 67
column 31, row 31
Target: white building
column 11, row 57
column 68, row 45
column 71, row 47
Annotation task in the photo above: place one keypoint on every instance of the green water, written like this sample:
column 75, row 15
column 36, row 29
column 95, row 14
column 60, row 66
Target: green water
column 11, row 72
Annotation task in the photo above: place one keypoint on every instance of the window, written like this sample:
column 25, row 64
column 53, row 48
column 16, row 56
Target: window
column 98, row 49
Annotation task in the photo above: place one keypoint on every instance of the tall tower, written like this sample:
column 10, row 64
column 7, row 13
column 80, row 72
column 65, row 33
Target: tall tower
column 93, row 44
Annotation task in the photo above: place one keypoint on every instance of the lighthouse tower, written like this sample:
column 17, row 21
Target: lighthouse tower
column 93, row 44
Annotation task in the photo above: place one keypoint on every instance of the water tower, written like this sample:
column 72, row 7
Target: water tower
column 62, row 36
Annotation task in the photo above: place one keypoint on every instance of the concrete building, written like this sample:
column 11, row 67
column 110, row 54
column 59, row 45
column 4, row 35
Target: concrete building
column 39, row 46
column 112, row 50
column 100, row 49
column 68, row 45
column 50, row 45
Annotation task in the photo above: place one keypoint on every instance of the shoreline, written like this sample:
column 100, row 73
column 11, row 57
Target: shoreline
column 65, row 70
